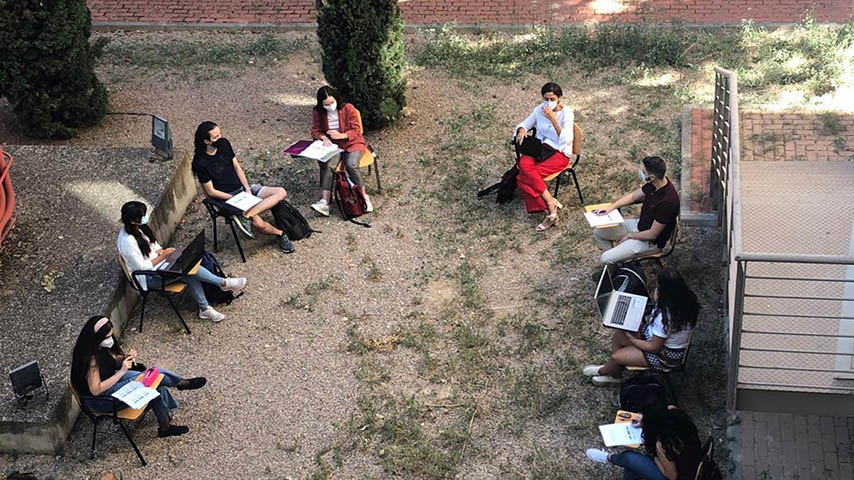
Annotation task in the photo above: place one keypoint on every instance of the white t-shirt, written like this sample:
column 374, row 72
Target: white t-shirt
column 675, row 341
column 332, row 119
column 546, row 131
column 132, row 255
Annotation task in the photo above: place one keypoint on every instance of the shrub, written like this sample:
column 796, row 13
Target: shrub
column 362, row 55
column 46, row 66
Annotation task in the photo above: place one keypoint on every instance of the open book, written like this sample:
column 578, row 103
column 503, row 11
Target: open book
column 243, row 201
column 615, row 434
column 136, row 395
column 315, row 150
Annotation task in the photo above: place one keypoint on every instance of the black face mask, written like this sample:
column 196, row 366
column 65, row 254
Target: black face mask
column 219, row 143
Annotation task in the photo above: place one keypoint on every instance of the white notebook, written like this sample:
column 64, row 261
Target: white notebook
column 318, row 151
column 243, row 201
column 615, row 434
column 136, row 395
column 595, row 220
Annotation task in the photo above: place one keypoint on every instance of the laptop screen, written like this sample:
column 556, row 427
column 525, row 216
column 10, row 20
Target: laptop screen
column 603, row 291
column 193, row 253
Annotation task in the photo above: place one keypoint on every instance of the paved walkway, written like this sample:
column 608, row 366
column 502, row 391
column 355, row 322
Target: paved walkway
column 466, row 12
column 785, row 446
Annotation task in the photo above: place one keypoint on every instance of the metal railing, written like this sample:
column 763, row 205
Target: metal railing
column 791, row 318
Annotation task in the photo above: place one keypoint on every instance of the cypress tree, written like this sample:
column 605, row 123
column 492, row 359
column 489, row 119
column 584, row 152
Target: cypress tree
column 362, row 55
column 46, row 66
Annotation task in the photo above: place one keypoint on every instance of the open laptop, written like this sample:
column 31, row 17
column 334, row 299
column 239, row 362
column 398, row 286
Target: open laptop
column 618, row 309
column 182, row 260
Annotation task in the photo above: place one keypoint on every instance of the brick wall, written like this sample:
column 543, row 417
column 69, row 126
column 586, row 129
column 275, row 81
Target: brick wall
column 489, row 12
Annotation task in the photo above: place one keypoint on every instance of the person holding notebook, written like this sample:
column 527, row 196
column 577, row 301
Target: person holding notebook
column 650, row 232
column 672, row 445
column 335, row 121
column 663, row 338
column 140, row 251
column 100, row 368
column 221, row 176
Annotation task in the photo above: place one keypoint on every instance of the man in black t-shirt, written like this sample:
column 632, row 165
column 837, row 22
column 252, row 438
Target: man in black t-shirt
column 652, row 230
column 222, row 177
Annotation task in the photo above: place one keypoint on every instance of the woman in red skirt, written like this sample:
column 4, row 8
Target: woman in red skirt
column 553, row 121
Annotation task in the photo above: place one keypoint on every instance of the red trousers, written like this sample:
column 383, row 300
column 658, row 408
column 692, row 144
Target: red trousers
column 530, row 179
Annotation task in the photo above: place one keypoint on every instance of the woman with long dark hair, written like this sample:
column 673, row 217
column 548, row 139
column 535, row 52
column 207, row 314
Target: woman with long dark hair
column 662, row 339
column 140, row 251
column 554, row 123
column 99, row 367
column 335, row 121
column 672, row 444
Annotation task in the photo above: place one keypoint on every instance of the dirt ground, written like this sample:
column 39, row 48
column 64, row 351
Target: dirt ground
column 444, row 342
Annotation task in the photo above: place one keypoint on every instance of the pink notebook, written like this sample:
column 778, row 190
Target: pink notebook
column 297, row 147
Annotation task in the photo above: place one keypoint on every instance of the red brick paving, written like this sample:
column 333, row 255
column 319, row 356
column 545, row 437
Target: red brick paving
column 492, row 12
column 769, row 137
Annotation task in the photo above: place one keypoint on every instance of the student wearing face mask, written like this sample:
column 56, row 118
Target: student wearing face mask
column 99, row 368
column 553, row 121
column 222, row 177
column 663, row 337
column 337, row 122
column 140, row 251
column 650, row 232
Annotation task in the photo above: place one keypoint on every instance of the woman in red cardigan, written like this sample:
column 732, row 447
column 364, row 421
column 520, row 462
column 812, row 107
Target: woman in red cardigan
column 338, row 122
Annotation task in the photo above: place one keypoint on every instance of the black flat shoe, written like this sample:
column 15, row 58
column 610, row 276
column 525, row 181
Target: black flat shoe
column 174, row 430
column 193, row 383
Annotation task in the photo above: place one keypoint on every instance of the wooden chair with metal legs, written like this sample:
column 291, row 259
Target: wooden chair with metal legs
column 577, row 137
column 664, row 252
column 120, row 414
column 218, row 209
column 165, row 288
column 667, row 371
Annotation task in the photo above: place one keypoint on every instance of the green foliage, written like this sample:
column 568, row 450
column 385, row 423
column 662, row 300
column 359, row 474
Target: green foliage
column 47, row 65
column 362, row 55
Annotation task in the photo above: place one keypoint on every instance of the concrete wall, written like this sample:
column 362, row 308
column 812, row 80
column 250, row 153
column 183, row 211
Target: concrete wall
column 49, row 437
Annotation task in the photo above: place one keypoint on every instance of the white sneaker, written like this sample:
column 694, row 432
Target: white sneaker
column 234, row 284
column 591, row 370
column 598, row 456
column 211, row 314
column 370, row 206
column 606, row 380
column 321, row 207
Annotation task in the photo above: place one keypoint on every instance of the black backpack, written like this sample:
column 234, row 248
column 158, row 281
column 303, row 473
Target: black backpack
column 630, row 279
column 709, row 469
column 213, row 293
column 506, row 188
column 642, row 393
column 290, row 221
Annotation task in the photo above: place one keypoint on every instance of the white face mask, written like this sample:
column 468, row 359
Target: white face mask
column 108, row 342
column 145, row 219
column 332, row 107
column 551, row 104
column 644, row 177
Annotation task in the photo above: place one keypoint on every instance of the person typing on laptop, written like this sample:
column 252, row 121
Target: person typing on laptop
column 140, row 251
column 663, row 338
column 222, row 177
column 650, row 232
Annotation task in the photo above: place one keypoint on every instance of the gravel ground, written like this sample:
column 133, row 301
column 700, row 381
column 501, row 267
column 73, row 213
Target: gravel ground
column 68, row 201
column 282, row 379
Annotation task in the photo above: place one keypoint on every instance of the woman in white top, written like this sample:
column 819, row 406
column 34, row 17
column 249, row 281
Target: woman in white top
column 663, row 338
column 140, row 251
column 553, row 121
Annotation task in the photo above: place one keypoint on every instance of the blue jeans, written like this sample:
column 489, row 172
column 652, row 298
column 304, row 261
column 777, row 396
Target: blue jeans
column 636, row 465
column 194, row 285
column 160, row 405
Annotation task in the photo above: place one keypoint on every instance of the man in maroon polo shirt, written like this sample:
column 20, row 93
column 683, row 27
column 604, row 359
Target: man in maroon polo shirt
column 650, row 232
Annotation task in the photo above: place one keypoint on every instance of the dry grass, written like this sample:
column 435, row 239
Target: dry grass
column 444, row 342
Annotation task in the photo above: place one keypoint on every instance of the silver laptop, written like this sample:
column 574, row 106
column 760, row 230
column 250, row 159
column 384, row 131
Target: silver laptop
column 618, row 309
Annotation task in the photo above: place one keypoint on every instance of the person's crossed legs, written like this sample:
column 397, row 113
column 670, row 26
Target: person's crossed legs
column 270, row 196
column 626, row 250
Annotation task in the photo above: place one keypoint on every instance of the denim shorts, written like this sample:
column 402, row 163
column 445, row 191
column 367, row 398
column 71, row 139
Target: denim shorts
column 255, row 189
